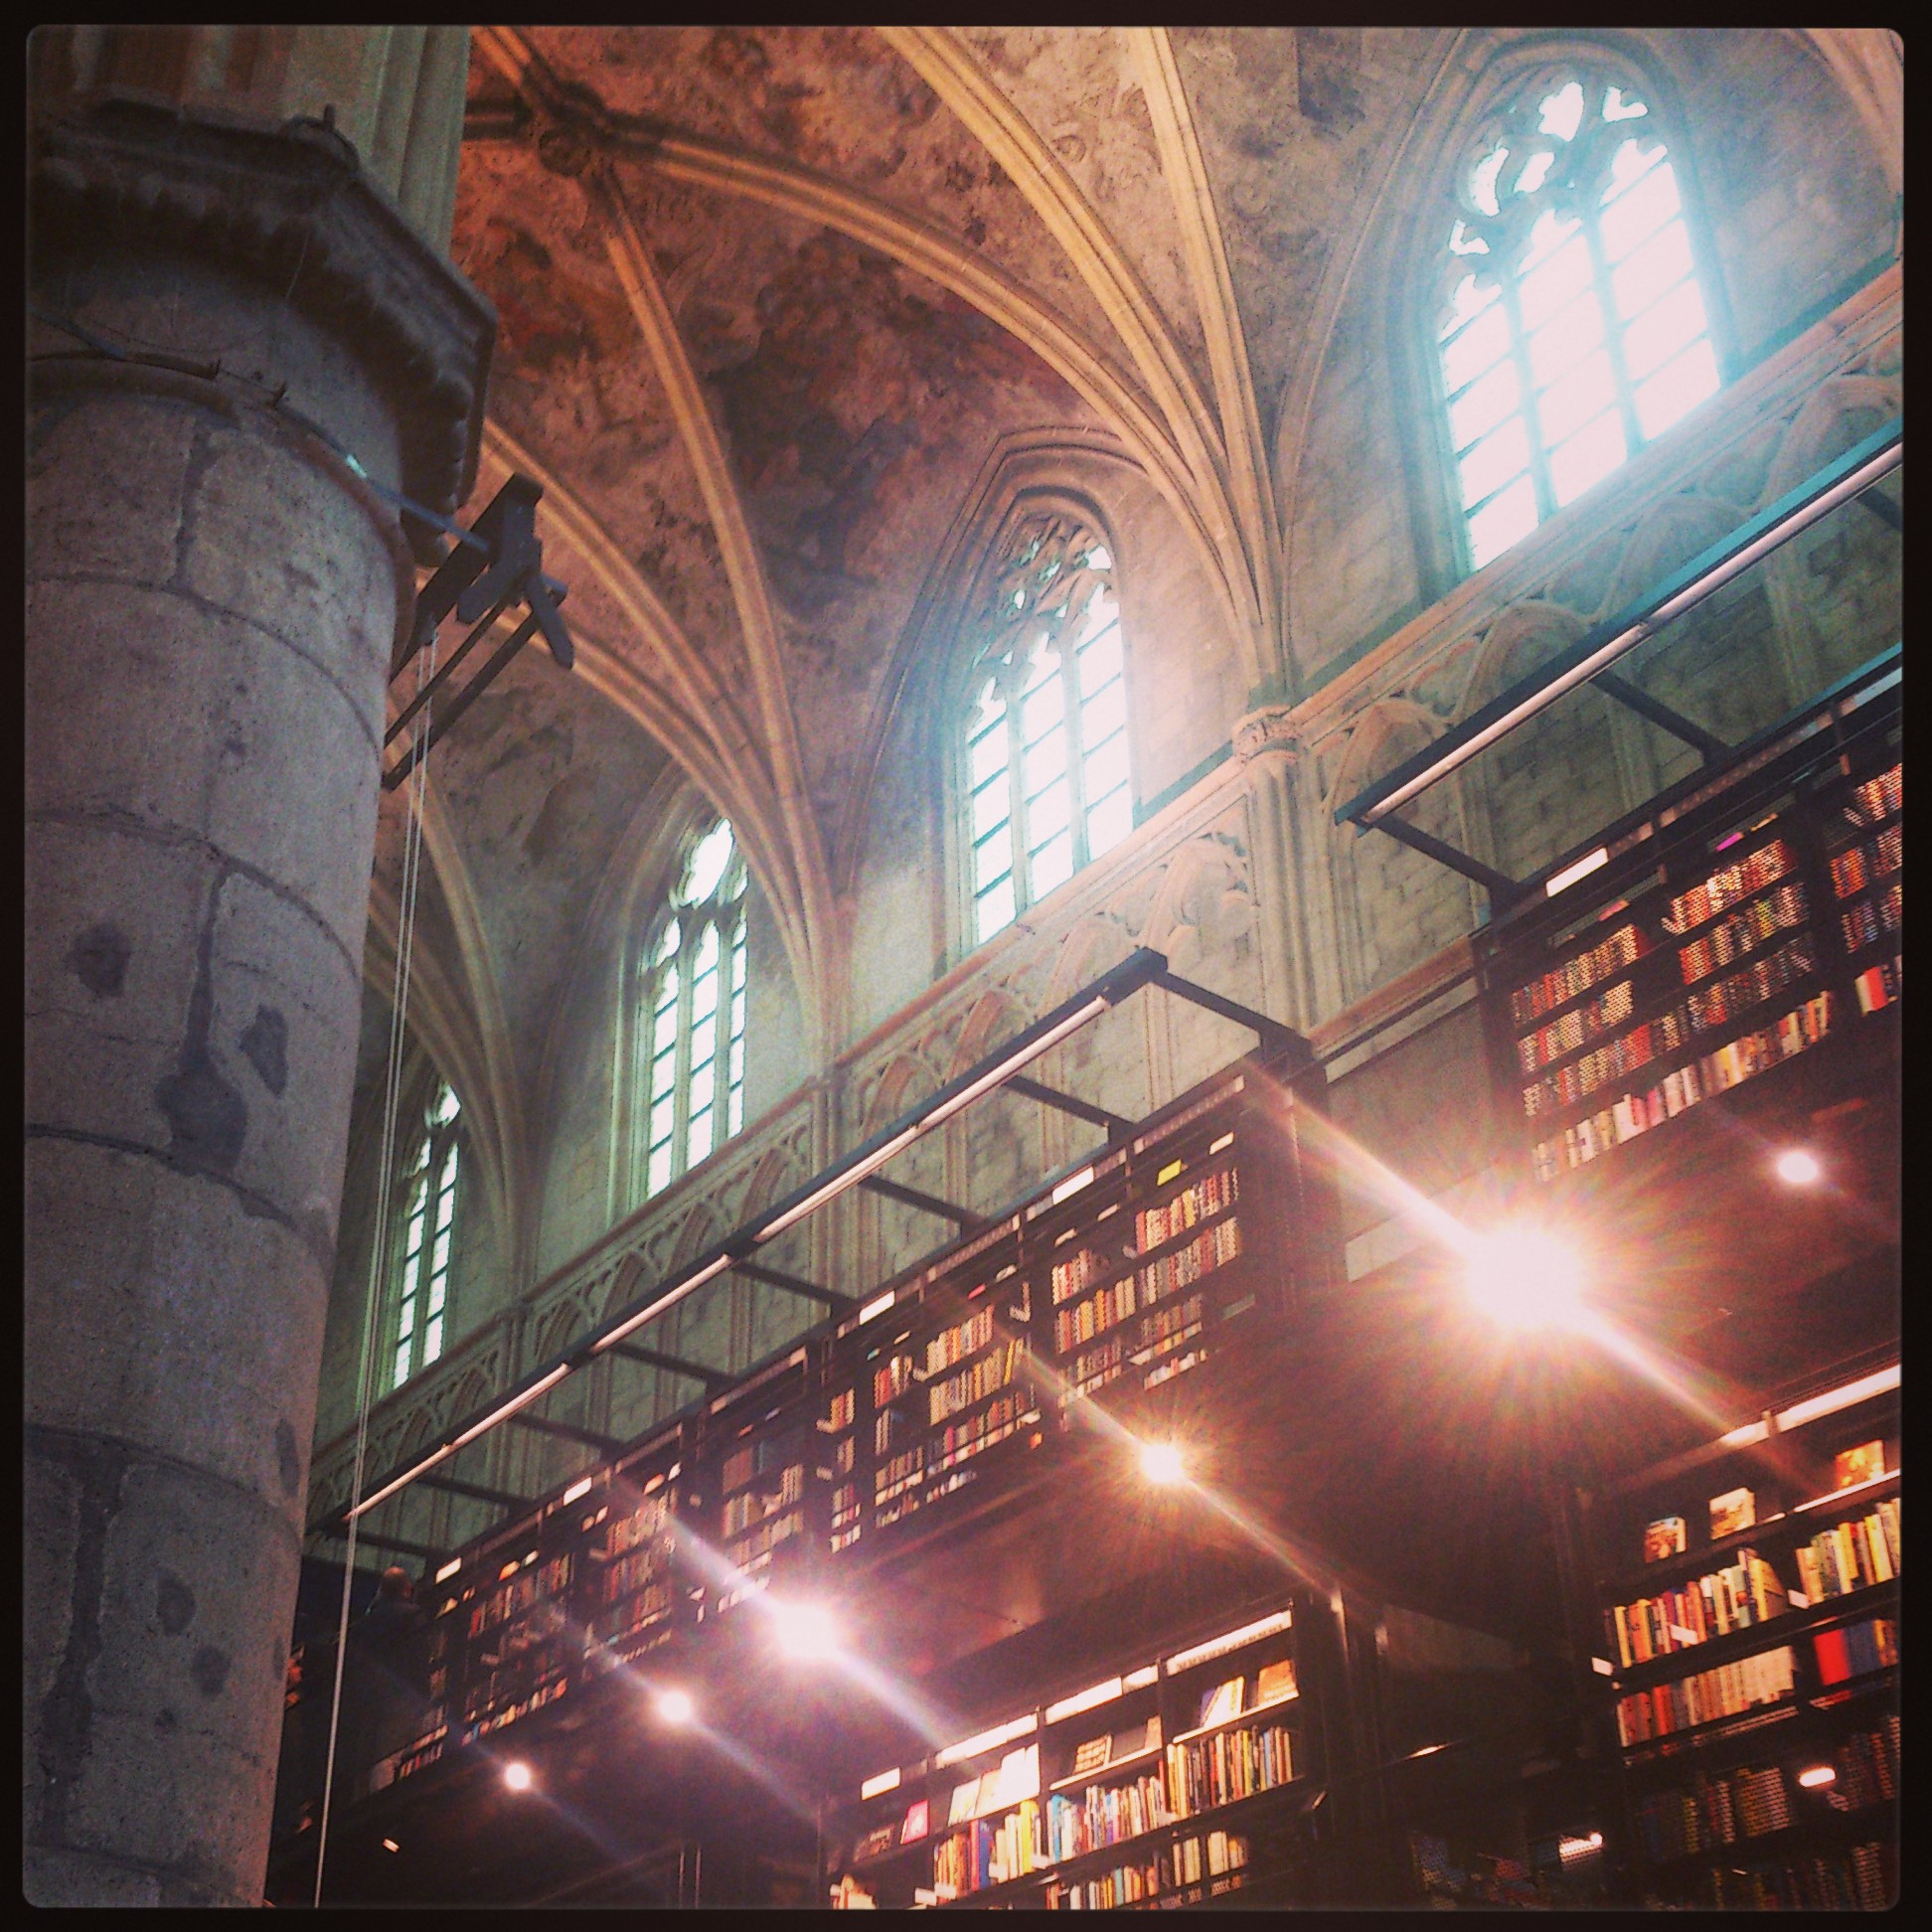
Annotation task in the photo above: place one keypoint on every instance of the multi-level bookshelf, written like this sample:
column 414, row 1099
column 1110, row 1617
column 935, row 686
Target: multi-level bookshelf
column 1733, row 937
column 1748, row 1595
column 1196, row 1233
column 1181, row 1245
column 759, row 1492
column 1185, row 1777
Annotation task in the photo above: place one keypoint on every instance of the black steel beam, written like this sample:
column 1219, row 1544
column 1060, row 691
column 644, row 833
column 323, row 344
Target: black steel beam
column 1661, row 715
column 1884, row 508
column 1117, row 1127
column 792, row 1284
column 963, row 1218
column 1503, row 890
column 1705, row 571
column 678, row 1364
column 569, row 1431
column 475, row 1491
column 1271, row 1033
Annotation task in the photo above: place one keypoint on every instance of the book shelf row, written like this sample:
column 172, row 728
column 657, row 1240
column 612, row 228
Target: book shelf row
column 952, row 1376
column 1711, row 1810
column 1117, row 1792
column 1769, row 939
column 1752, row 1674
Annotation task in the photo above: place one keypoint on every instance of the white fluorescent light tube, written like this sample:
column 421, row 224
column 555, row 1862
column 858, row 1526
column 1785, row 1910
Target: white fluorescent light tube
column 1715, row 578
column 1100, row 1693
column 1136, row 1680
column 657, row 1308
column 877, row 1304
column 885, row 1781
column 504, row 1410
column 1583, row 867
column 577, row 1488
column 408, row 1477
column 1838, row 1398
column 840, row 1183
column 1073, row 1184
column 1748, row 1432
column 1232, row 1640
column 449, row 1569
column 1011, row 1065
column 986, row 1739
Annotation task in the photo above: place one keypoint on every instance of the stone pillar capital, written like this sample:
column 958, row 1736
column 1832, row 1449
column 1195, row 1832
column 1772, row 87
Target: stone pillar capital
column 1269, row 729
column 286, row 206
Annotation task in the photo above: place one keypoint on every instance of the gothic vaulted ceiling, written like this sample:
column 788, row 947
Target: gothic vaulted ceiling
column 769, row 301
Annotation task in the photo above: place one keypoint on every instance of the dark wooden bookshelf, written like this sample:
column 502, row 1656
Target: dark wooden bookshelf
column 1723, row 942
column 1810, row 1849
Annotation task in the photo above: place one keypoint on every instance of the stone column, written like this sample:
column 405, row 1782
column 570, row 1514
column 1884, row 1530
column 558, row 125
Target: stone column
column 1269, row 752
column 212, row 598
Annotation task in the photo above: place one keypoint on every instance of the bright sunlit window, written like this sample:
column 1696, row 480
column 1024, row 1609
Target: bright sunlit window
column 429, row 1232
column 692, row 1014
column 1046, row 776
column 1573, row 329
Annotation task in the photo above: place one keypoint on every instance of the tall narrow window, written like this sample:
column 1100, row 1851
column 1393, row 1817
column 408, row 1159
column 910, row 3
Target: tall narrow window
column 1572, row 330
column 428, row 1230
column 692, row 1014
column 1046, row 776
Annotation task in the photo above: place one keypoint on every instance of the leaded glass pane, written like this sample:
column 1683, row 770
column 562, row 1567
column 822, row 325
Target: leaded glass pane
column 1109, row 821
column 1106, row 765
column 1590, row 455
column 1677, row 389
column 994, row 909
column 1663, row 329
column 1506, row 521
column 1495, row 460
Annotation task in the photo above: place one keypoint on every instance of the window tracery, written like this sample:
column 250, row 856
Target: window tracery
column 1048, row 784
column 692, row 1014
column 427, row 1230
column 1571, row 328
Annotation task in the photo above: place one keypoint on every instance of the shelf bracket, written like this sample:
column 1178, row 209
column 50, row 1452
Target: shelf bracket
column 1661, row 715
column 1116, row 1127
column 568, row 1432
column 712, row 1378
column 963, row 1218
column 501, row 1498
column 1502, row 889
column 792, row 1284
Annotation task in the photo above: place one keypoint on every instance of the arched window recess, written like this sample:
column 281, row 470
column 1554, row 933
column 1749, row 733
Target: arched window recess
column 1046, row 781
column 691, row 1013
column 425, row 1237
column 1569, row 324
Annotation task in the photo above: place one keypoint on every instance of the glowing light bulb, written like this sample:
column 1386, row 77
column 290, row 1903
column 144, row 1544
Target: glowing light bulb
column 1818, row 1774
column 1162, row 1462
column 804, row 1629
column 676, row 1708
column 516, row 1774
column 1797, row 1168
column 1526, row 1280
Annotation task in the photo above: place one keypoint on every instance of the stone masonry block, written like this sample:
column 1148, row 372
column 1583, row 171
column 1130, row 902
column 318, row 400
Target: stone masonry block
column 180, row 1005
column 227, row 1306
column 154, row 675
column 273, row 538
column 172, row 1709
column 104, row 486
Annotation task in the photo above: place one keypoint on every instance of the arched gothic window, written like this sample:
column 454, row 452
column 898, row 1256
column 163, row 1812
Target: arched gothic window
column 692, row 1014
column 1571, row 329
column 428, row 1229
column 1046, row 775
